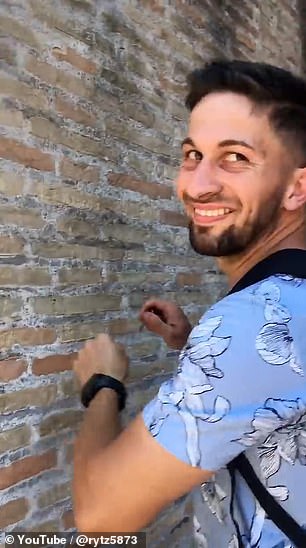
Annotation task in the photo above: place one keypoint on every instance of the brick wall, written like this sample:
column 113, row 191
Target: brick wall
column 91, row 117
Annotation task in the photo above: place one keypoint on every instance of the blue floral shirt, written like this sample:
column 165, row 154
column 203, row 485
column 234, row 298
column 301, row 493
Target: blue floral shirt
column 240, row 386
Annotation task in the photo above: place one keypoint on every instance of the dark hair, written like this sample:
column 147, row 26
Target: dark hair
column 279, row 91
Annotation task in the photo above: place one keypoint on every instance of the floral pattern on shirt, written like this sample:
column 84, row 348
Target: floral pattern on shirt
column 185, row 390
column 279, row 432
column 274, row 342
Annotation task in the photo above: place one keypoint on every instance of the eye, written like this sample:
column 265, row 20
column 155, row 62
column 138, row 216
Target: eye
column 193, row 155
column 235, row 157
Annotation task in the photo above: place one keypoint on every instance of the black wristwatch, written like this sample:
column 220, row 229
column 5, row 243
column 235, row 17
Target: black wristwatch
column 98, row 381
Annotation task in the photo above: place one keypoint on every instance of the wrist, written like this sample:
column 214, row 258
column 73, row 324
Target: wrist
column 107, row 396
column 99, row 382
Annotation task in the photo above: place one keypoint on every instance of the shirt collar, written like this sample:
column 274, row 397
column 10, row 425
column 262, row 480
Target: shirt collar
column 285, row 261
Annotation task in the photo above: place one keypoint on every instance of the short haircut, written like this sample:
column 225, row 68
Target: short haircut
column 281, row 93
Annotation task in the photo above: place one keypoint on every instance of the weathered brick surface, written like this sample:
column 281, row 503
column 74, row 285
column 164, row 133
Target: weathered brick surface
column 26, row 336
column 23, row 154
column 79, row 172
column 75, row 305
column 11, row 369
column 13, row 511
column 30, row 397
column 53, row 364
column 59, row 421
column 91, row 119
column 12, row 439
column 24, row 276
column 26, row 468
column 54, row 495
column 75, row 59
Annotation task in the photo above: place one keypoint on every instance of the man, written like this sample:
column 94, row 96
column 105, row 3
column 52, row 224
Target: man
column 239, row 386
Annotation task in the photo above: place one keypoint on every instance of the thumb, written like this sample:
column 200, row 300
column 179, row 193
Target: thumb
column 154, row 323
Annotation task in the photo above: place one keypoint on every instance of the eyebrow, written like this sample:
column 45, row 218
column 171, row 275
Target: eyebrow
column 226, row 143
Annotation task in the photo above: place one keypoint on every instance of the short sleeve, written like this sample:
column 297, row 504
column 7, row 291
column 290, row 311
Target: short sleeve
column 228, row 392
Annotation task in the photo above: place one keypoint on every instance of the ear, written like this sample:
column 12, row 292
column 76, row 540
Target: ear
column 295, row 195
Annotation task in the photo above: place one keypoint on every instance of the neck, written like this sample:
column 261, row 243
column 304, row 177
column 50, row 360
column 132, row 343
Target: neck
column 289, row 236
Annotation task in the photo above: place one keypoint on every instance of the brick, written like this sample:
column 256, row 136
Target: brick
column 70, row 56
column 11, row 369
column 195, row 297
column 173, row 218
column 141, row 398
column 138, row 298
column 51, row 526
column 26, row 468
column 66, row 195
column 82, row 304
column 54, row 495
column 147, row 348
column 154, row 190
column 27, row 336
column 20, row 217
column 70, row 26
column 151, row 369
column 43, row 128
column 29, row 397
column 68, row 520
column 10, row 307
column 74, row 227
column 123, row 130
column 188, row 278
column 139, row 278
column 84, row 331
column 53, row 364
column 7, row 53
column 163, row 259
column 28, row 156
column 60, row 421
column 12, row 118
column 74, row 112
column 56, row 77
column 11, row 184
column 24, row 276
column 13, row 511
column 23, row 92
column 138, row 210
column 15, row 438
column 11, row 245
column 79, row 172
column 246, row 39
column 22, row 33
column 76, row 251
column 127, row 234
column 78, row 276
column 70, row 388
column 172, row 88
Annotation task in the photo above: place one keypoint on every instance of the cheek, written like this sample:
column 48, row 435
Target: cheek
column 180, row 185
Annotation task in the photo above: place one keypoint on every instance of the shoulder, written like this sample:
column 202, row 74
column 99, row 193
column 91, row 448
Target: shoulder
column 267, row 300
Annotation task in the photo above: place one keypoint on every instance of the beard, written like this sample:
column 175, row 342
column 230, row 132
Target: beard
column 235, row 240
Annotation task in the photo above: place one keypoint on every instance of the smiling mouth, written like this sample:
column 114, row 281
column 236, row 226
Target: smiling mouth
column 208, row 216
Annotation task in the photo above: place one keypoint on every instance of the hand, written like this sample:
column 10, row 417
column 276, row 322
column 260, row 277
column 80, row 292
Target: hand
column 166, row 319
column 101, row 355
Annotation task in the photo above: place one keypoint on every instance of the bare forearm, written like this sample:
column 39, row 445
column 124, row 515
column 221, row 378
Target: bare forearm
column 101, row 425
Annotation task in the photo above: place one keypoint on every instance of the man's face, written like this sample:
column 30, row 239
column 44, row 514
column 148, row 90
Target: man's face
column 233, row 175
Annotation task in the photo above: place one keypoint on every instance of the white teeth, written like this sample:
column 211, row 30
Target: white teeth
column 211, row 212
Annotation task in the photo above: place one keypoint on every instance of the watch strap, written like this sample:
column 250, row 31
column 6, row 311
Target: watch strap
column 99, row 381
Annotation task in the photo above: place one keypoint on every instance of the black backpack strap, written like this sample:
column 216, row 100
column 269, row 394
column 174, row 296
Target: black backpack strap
column 274, row 511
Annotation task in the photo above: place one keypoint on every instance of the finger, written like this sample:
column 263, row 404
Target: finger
column 154, row 323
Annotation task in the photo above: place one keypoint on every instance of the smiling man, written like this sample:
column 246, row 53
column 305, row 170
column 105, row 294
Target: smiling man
column 230, row 425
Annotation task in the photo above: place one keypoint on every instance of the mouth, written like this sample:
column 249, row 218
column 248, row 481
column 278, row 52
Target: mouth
column 209, row 215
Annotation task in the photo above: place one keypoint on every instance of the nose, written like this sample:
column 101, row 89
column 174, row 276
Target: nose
column 202, row 180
